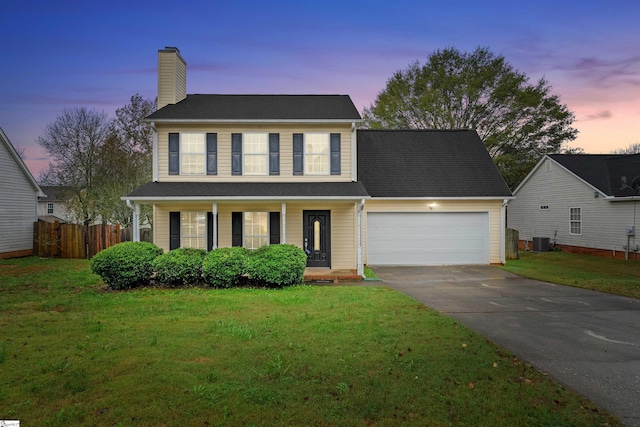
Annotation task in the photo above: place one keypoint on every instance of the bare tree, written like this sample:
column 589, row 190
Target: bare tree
column 74, row 142
column 630, row 149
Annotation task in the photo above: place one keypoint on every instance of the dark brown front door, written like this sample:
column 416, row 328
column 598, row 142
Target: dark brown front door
column 317, row 238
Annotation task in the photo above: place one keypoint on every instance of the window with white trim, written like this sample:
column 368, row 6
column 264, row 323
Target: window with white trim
column 316, row 154
column 192, row 153
column 575, row 221
column 49, row 208
column 256, row 229
column 193, row 230
column 255, row 153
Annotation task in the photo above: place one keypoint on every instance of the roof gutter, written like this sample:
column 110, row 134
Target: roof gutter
column 151, row 199
column 249, row 121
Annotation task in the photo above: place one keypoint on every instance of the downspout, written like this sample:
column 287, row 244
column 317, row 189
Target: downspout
column 360, row 208
column 354, row 154
column 136, row 220
column 155, row 153
column 503, row 229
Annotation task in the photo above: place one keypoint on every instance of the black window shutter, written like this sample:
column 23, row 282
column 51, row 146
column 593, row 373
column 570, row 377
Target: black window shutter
column 236, row 229
column 212, row 154
column 174, row 154
column 274, row 228
column 236, row 154
column 335, row 153
column 274, row 154
column 209, row 231
column 174, row 230
column 298, row 144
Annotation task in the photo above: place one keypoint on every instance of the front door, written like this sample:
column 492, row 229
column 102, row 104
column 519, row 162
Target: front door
column 317, row 238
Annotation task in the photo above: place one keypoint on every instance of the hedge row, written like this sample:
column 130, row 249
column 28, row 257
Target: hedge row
column 132, row 264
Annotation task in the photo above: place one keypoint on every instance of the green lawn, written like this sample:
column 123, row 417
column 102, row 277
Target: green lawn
column 583, row 271
column 73, row 353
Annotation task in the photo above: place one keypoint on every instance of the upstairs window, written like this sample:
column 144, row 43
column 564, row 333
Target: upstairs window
column 575, row 221
column 316, row 154
column 193, row 153
column 49, row 208
column 256, row 153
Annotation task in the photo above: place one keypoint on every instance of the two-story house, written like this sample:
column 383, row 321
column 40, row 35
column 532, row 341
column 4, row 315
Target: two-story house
column 250, row 170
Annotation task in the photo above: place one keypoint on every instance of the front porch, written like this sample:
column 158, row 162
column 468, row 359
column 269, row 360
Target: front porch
column 324, row 274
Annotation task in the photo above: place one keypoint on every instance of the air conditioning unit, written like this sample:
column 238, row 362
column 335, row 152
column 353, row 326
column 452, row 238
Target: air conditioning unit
column 541, row 244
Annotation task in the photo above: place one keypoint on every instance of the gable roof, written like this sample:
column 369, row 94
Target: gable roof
column 259, row 108
column 54, row 193
column 12, row 151
column 248, row 190
column 615, row 175
column 427, row 163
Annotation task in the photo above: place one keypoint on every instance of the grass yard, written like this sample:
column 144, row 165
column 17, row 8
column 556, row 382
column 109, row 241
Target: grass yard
column 73, row 353
column 583, row 271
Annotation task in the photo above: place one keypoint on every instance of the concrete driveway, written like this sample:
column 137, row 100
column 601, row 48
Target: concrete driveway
column 586, row 340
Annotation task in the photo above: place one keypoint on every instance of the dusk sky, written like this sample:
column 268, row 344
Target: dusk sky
column 67, row 54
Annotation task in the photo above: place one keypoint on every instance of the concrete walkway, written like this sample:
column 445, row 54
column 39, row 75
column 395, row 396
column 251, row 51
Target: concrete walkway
column 586, row 340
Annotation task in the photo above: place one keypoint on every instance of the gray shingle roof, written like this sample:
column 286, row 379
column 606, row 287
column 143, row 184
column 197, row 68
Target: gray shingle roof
column 284, row 190
column 613, row 174
column 427, row 163
column 259, row 107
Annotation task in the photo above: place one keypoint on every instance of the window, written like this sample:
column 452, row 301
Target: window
column 256, row 229
column 575, row 220
column 192, row 147
column 316, row 154
column 49, row 208
column 544, row 207
column 193, row 230
column 256, row 153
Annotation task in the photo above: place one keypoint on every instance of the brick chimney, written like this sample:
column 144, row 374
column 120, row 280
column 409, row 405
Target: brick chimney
column 172, row 77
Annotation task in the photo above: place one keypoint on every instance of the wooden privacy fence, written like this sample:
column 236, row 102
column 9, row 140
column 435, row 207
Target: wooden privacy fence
column 55, row 240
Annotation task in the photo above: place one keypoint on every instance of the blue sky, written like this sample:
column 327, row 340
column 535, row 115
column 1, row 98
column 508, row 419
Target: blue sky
column 67, row 54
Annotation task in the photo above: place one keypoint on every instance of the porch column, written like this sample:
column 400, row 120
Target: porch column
column 284, row 222
column 360, row 210
column 136, row 220
column 214, row 211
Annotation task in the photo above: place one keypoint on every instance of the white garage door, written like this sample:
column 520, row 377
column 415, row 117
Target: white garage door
column 426, row 238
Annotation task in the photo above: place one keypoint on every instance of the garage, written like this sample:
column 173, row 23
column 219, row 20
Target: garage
column 427, row 238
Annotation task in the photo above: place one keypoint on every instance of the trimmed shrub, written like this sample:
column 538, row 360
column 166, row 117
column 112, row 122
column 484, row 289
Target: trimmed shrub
column 277, row 265
column 224, row 267
column 180, row 267
column 125, row 265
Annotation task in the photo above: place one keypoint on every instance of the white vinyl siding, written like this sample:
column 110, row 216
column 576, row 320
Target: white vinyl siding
column 18, row 206
column 603, row 222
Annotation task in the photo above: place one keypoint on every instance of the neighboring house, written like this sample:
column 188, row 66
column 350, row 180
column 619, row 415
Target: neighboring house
column 53, row 208
column 250, row 170
column 583, row 203
column 18, row 203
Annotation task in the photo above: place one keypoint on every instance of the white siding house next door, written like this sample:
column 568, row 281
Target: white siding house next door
column 427, row 238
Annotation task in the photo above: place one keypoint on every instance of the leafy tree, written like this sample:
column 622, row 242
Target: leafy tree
column 518, row 121
column 126, row 160
column 630, row 149
column 74, row 141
